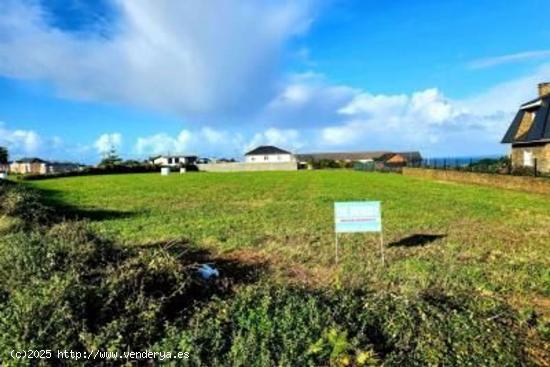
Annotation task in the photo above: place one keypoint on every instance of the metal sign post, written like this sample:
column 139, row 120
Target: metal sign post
column 336, row 247
column 357, row 217
column 382, row 246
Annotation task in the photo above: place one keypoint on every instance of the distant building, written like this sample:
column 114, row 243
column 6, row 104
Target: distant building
column 225, row 160
column 363, row 157
column 173, row 160
column 400, row 159
column 29, row 166
column 37, row 166
column 204, row 160
column 62, row 167
column 268, row 154
column 385, row 157
column 529, row 132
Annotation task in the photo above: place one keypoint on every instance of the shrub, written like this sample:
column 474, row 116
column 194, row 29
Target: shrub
column 265, row 326
column 68, row 289
column 23, row 203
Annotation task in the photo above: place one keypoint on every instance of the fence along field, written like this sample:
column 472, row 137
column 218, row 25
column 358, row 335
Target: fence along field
column 453, row 238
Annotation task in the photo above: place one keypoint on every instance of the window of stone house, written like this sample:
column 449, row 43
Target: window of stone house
column 176, row 160
column 266, row 158
column 528, row 160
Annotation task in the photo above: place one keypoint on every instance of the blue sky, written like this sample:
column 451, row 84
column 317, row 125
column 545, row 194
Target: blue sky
column 216, row 78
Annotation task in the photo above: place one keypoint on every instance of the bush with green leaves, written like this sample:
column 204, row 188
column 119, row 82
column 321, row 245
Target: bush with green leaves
column 265, row 326
column 68, row 289
column 25, row 204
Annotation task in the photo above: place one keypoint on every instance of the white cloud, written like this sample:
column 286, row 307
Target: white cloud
column 342, row 135
column 213, row 136
column 510, row 58
column 306, row 100
column 220, row 59
column 164, row 144
column 20, row 141
column 426, row 120
column 283, row 138
column 430, row 106
column 352, row 119
column 25, row 143
column 215, row 143
column 189, row 57
column 366, row 103
column 106, row 142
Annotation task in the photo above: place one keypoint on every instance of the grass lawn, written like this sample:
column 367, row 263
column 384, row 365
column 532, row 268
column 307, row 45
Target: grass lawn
column 447, row 235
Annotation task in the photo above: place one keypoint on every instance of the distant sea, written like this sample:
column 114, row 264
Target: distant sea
column 459, row 161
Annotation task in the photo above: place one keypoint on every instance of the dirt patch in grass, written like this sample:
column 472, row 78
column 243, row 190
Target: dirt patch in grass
column 280, row 268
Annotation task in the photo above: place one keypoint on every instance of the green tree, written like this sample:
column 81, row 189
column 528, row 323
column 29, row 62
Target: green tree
column 110, row 159
column 4, row 155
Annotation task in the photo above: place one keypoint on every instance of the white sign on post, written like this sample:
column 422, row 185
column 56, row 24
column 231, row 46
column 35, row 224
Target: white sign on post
column 356, row 217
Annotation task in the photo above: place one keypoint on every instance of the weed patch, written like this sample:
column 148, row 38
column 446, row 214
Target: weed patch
column 271, row 325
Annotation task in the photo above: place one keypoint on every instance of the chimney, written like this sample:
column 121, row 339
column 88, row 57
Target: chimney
column 544, row 89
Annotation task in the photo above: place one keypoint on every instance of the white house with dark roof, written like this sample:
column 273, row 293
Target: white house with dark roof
column 269, row 154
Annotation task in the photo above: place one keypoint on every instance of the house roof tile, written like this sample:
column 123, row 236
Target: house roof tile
column 266, row 150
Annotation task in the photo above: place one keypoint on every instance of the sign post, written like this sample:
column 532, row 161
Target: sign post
column 357, row 217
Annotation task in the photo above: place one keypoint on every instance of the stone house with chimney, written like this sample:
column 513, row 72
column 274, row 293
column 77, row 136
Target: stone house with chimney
column 529, row 133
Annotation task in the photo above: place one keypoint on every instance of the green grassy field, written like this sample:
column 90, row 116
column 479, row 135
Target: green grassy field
column 490, row 241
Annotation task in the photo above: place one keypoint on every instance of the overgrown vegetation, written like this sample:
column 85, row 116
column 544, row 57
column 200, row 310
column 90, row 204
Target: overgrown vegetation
column 284, row 326
column 64, row 288
column 329, row 163
column 23, row 206
column 62, row 285
column 498, row 165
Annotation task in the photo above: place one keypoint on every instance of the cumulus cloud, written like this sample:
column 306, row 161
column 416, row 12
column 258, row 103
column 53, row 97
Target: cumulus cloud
column 220, row 60
column 213, row 142
column 316, row 115
column 425, row 120
column 284, row 138
column 213, row 136
column 189, row 57
column 428, row 105
column 306, row 100
column 163, row 143
column 368, row 104
column 20, row 141
column 26, row 143
column 107, row 142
